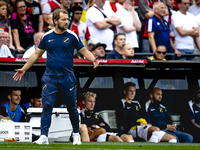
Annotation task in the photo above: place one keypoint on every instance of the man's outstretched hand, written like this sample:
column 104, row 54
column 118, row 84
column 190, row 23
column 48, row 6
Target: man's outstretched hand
column 96, row 62
column 18, row 75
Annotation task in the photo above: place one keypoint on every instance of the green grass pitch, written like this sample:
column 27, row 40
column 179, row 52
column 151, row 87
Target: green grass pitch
column 100, row 146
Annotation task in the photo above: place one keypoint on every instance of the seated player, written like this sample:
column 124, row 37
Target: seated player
column 95, row 122
column 130, row 117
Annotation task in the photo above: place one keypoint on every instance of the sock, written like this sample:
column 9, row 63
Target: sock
column 173, row 141
column 131, row 141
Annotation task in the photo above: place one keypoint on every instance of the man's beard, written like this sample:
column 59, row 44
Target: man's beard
column 62, row 28
column 156, row 101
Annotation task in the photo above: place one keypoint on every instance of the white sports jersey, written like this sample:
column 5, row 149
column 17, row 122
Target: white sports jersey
column 81, row 30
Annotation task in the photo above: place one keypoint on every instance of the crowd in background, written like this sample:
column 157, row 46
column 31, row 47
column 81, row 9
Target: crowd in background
column 100, row 24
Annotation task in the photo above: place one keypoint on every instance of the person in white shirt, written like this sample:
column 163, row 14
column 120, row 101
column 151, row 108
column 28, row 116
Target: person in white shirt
column 4, row 50
column 196, row 50
column 130, row 23
column 195, row 9
column 100, row 22
column 37, row 37
column 185, row 29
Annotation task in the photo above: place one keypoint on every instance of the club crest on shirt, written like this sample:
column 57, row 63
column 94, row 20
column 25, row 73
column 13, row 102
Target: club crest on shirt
column 96, row 116
column 136, row 107
column 44, row 87
column 66, row 40
column 161, row 110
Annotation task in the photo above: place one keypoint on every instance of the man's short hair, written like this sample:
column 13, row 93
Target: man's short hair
column 56, row 14
column 178, row 1
column 115, row 37
column 154, row 90
column 88, row 93
column 128, row 84
column 75, row 8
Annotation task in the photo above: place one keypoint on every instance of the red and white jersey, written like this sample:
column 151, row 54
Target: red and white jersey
column 51, row 5
column 81, row 30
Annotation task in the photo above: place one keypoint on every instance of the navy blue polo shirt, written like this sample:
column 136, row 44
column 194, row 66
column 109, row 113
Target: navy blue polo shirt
column 194, row 112
column 162, row 32
column 114, row 55
column 60, row 50
column 157, row 115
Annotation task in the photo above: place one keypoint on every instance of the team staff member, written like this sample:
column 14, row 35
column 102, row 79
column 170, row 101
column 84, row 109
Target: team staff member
column 59, row 76
column 157, row 116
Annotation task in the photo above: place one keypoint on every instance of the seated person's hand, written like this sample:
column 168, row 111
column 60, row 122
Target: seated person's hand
column 89, row 131
column 20, row 49
column 102, row 124
column 171, row 127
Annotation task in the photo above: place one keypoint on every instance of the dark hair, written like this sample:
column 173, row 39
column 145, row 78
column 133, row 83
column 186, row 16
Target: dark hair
column 75, row 8
column 115, row 37
column 128, row 84
column 178, row 1
column 56, row 14
column 36, row 94
column 154, row 89
column 15, row 10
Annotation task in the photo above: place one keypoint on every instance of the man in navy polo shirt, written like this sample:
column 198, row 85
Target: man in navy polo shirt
column 157, row 115
column 158, row 29
column 59, row 75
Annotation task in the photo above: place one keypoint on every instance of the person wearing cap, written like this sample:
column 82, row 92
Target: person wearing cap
column 91, row 43
column 127, row 51
column 99, row 50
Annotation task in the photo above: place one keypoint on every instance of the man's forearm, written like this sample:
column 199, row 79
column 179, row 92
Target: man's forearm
column 87, row 54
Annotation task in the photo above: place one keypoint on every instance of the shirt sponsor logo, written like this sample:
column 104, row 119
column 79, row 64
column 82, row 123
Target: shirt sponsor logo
column 196, row 111
column 128, row 107
column 152, row 109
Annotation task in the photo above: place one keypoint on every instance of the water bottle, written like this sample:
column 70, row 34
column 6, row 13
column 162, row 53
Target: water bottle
column 9, row 139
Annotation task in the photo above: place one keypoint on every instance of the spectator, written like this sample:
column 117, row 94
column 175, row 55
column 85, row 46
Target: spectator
column 37, row 38
column 159, row 54
column 129, row 115
column 4, row 50
column 11, row 110
column 65, row 4
column 196, row 50
column 158, row 30
column 4, row 22
column 21, row 25
column 119, row 41
column 145, row 11
column 7, row 43
column 170, row 4
column 130, row 23
column 90, row 4
column 100, row 21
column 91, row 43
column 99, row 50
column 94, row 121
column 48, row 7
column 127, row 51
column 50, row 22
column 185, row 29
column 34, row 10
column 82, row 4
column 79, row 27
column 192, row 124
column 157, row 116
column 195, row 9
